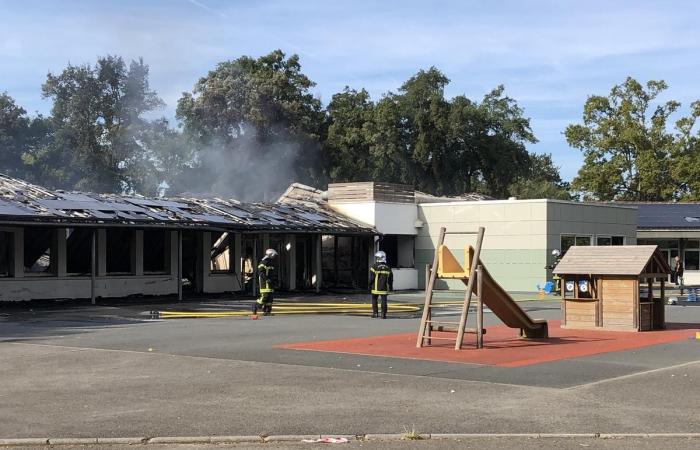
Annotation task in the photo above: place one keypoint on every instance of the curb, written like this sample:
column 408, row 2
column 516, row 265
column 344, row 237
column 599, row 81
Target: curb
column 351, row 437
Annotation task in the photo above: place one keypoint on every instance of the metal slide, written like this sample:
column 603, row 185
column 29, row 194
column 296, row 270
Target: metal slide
column 508, row 310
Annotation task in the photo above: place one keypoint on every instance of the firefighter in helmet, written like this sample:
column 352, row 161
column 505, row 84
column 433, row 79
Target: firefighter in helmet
column 381, row 282
column 267, row 278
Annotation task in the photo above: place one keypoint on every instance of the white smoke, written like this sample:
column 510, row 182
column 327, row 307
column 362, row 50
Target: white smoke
column 246, row 168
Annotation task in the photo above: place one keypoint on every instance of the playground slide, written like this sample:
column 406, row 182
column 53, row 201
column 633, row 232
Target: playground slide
column 506, row 309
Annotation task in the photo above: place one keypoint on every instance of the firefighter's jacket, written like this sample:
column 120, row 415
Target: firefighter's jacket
column 267, row 276
column 381, row 280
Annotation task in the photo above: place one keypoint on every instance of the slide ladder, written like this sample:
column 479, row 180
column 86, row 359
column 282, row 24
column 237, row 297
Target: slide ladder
column 478, row 281
column 446, row 266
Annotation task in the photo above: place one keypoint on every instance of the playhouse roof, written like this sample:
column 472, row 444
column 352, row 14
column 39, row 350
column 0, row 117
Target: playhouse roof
column 612, row 260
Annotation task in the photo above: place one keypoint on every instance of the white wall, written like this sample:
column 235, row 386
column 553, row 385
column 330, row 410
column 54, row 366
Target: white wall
column 27, row 287
column 405, row 279
column 387, row 218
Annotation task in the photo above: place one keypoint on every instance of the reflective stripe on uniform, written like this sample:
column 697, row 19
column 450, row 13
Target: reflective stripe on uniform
column 379, row 292
column 266, row 291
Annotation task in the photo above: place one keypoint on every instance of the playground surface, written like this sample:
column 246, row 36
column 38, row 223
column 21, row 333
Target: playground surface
column 115, row 370
column 504, row 348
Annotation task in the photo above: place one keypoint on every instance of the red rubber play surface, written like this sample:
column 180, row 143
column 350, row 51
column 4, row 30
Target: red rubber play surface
column 502, row 346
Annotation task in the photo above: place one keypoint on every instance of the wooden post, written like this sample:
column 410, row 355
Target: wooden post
column 479, row 307
column 662, row 315
column 429, row 291
column 179, row 265
column 563, row 299
column 93, row 265
column 470, row 287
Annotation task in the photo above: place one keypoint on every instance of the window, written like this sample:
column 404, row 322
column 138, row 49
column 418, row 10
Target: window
column 692, row 255
column 389, row 244
column 610, row 240
column 603, row 240
column 78, row 251
column 569, row 240
column 7, row 254
column 220, row 261
column 583, row 240
column 120, row 251
column 40, row 251
column 156, row 251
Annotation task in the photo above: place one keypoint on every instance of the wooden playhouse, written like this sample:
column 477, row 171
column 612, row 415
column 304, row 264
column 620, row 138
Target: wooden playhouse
column 613, row 287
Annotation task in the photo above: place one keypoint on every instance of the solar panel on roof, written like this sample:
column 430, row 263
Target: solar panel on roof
column 8, row 209
column 667, row 215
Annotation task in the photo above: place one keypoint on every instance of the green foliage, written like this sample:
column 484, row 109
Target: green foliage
column 347, row 143
column 97, row 129
column 541, row 180
column 259, row 111
column 252, row 125
column 629, row 151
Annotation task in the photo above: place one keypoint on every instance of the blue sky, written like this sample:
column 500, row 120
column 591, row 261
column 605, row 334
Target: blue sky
column 550, row 55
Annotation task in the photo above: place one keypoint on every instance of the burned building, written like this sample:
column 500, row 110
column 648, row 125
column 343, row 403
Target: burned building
column 58, row 244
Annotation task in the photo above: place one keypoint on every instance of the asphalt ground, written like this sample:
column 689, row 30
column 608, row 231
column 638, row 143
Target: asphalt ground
column 111, row 370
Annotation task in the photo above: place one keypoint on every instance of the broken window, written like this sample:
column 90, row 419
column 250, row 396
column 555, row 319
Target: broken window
column 40, row 251
column 220, row 252
column 7, row 254
column 79, row 251
column 119, row 248
column 399, row 250
column 156, row 251
column 344, row 261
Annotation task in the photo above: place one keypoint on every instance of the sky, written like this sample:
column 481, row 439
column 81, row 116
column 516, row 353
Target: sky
column 550, row 55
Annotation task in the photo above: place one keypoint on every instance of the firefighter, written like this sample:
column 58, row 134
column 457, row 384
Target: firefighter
column 381, row 282
column 267, row 278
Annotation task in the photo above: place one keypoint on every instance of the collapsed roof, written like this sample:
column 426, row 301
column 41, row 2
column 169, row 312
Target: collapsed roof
column 22, row 202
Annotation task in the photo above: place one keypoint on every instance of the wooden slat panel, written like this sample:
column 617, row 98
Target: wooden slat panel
column 371, row 191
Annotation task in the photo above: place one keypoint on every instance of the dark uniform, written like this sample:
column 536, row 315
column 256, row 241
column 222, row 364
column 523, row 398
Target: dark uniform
column 381, row 282
column 267, row 276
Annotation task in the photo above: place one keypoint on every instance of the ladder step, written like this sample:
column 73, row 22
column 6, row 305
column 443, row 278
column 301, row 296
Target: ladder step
column 442, row 338
column 442, row 322
column 439, row 328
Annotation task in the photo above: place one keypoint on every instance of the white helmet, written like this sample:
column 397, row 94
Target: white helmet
column 556, row 253
column 380, row 256
column 270, row 253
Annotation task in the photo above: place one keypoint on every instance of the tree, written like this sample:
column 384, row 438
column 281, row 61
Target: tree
column 19, row 135
column 425, row 112
column 685, row 169
column 541, row 180
column 626, row 145
column 98, row 128
column 347, row 143
column 14, row 126
column 258, row 121
column 486, row 142
column 389, row 151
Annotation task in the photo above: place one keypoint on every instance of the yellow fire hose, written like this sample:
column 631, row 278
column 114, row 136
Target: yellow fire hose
column 288, row 308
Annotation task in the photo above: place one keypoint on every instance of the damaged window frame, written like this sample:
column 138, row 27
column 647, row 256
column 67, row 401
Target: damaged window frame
column 51, row 252
column 221, row 240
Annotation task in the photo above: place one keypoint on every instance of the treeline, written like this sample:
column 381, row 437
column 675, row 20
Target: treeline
column 251, row 126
